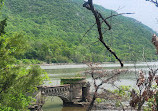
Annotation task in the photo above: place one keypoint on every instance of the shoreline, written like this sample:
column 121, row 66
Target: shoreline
column 104, row 65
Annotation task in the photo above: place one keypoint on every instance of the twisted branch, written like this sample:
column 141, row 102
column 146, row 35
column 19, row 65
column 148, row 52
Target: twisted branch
column 154, row 1
column 98, row 16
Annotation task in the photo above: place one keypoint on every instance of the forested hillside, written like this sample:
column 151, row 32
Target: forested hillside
column 55, row 30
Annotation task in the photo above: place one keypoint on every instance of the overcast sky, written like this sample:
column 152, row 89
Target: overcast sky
column 145, row 12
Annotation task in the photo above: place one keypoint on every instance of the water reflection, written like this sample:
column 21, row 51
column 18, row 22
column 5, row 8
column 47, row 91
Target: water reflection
column 53, row 104
column 56, row 104
column 73, row 109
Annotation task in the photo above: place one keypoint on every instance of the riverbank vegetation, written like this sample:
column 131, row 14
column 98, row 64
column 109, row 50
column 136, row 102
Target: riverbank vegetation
column 145, row 92
column 144, row 96
column 17, row 83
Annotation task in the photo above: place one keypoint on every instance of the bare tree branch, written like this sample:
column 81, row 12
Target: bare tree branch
column 97, row 73
column 145, row 90
column 117, row 15
column 101, row 23
column 153, row 1
column 87, row 31
column 98, row 16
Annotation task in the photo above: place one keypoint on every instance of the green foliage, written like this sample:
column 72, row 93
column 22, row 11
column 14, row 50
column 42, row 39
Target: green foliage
column 55, row 29
column 1, row 3
column 71, row 80
column 123, row 91
column 99, row 100
column 2, row 26
column 152, row 103
column 17, row 83
column 29, row 61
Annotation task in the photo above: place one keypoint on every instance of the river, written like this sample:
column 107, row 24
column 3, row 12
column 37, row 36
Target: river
column 74, row 70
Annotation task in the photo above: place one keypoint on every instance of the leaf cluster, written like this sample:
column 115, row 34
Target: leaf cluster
column 17, row 83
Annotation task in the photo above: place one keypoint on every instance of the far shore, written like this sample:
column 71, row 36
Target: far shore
column 108, row 65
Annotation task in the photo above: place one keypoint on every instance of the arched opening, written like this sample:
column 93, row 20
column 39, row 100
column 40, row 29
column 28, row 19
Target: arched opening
column 53, row 103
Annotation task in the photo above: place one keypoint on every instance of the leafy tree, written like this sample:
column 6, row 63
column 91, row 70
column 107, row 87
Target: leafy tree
column 17, row 83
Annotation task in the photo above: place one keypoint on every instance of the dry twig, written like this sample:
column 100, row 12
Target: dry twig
column 153, row 1
column 99, row 20
column 103, row 76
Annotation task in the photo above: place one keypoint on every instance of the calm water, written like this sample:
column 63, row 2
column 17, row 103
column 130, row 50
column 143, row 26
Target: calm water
column 55, row 104
column 57, row 71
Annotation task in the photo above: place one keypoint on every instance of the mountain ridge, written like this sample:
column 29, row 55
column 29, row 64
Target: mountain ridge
column 56, row 29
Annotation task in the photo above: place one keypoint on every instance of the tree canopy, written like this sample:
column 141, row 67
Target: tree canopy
column 17, row 83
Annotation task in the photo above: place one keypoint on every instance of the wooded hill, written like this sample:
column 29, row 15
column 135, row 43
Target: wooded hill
column 55, row 30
